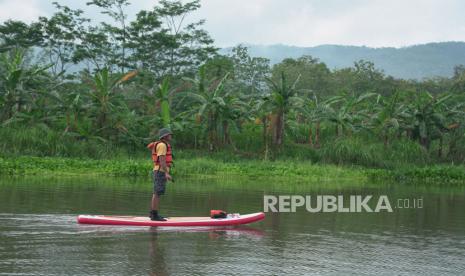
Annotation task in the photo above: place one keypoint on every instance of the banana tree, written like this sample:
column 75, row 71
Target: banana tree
column 430, row 117
column 315, row 112
column 106, row 101
column 70, row 106
column 390, row 117
column 349, row 112
column 15, row 83
column 163, row 93
column 211, row 103
column 11, row 82
column 281, row 94
column 261, row 110
column 456, row 131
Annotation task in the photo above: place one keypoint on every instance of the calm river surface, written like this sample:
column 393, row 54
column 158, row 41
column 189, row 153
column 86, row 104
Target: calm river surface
column 39, row 233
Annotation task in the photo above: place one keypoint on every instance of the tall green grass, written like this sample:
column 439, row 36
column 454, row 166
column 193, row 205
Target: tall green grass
column 401, row 159
column 40, row 141
column 372, row 154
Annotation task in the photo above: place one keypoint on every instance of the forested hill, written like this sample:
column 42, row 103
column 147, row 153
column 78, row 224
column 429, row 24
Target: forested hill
column 413, row 62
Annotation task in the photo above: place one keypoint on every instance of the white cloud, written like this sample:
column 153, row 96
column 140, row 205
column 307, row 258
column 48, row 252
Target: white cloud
column 360, row 22
column 299, row 22
column 24, row 10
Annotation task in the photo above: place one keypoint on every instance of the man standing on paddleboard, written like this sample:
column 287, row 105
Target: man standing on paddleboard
column 162, row 157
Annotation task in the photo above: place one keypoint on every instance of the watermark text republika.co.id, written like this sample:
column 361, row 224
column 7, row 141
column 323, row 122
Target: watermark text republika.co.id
column 339, row 203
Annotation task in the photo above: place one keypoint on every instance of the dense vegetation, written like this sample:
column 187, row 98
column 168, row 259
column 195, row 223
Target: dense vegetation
column 70, row 87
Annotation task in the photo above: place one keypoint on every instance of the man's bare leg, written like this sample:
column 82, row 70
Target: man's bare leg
column 155, row 201
column 154, row 212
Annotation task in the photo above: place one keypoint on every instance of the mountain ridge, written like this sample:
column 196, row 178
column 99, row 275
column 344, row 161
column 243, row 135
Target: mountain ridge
column 421, row 61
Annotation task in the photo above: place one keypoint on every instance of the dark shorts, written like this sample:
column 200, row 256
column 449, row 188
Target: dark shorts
column 159, row 182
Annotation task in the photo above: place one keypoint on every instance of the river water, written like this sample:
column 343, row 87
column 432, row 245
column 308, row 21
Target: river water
column 39, row 233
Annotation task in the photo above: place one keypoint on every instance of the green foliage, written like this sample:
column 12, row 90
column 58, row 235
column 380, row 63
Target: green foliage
column 280, row 101
column 162, row 93
column 164, row 44
column 314, row 75
column 66, row 166
column 16, row 35
column 432, row 174
column 352, row 151
column 60, row 35
column 250, row 73
column 17, row 84
column 207, row 167
column 373, row 154
column 159, row 70
column 41, row 141
column 214, row 106
column 201, row 167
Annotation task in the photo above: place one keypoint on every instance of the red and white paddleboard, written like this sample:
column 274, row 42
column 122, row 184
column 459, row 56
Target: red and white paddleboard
column 174, row 221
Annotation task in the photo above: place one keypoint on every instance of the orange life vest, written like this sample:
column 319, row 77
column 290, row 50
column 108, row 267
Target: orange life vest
column 169, row 154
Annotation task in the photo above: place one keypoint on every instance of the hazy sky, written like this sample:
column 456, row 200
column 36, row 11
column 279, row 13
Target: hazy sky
column 300, row 22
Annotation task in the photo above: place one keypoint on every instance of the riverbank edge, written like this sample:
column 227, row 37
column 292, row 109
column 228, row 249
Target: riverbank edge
column 207, row 167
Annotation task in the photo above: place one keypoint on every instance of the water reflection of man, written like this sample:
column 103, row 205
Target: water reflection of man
column 157, row 261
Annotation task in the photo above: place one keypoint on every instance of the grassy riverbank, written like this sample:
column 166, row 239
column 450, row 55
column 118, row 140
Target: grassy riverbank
column 356, row 157
column 205, row 167
column 353, row 158
column 200, row 166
